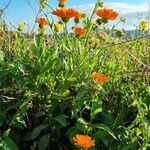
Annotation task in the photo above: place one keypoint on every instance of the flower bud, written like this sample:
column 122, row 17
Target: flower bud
column 43, row 3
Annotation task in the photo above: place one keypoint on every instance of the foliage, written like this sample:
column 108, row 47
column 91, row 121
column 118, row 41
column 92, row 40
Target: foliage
column 48, row 95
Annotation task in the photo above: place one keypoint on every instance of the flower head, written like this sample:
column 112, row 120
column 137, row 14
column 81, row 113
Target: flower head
column 42, row 21
column 99, row 77
column 21, row 26
column 62, row 1
column 84, row 141
column 107, row 14
column 78, row 16
column 79, row 31
column 65, row 13
column 42, row 31
column 143, row 25
column 58, row 27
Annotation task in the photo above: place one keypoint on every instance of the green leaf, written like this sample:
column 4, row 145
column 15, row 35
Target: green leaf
column 135, row 103
column 72, row 131
column 100, row 134
column 61, row 119
column 105, row 128
column 18, row 121
column 96, row 108
column 82, row 125
column 44, row 141
column 2, row 119
column 71, row 79
column 37, row 131
column 9, row 144
column 23, row 107
column 96, row 111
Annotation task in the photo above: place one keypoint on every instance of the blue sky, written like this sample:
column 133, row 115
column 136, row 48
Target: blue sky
column 20, row 10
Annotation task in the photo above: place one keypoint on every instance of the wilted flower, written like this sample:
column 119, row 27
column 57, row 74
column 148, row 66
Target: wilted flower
column 84, row 141
column 79, row 31
column 143, row 25
column 65, row 13
column 99, row 77
column 103, row 36
column 106, row 14
column 14, row 35
column 1, row 29
column 119, row 33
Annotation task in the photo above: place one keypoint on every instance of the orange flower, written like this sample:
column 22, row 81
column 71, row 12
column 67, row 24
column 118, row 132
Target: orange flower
column 84, row 141
column 99, row 77
column 107, row 14
column 65, row 13
column 42, row 21
column 62, row 1
column 79, row 31
column 78, row 16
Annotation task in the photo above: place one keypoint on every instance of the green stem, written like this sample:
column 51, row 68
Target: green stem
column 91, row 26
column 55, row 35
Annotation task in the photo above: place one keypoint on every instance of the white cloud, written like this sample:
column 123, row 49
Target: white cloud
column 131, row 12
column 122, row 8
column 125, row 8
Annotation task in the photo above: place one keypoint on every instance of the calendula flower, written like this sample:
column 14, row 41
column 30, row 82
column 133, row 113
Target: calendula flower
column 107, row 14
column 84, row 141
column 99, row 77
column 42, row 22
column 65, row 13
column 42, row 31
column 21, row 26
column 58, row 27
column 78, row 16
column 143, row 25
column 79, row 31
column 62, row 3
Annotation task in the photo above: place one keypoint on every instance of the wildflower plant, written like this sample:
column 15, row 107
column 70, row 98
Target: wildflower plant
column 74, row 86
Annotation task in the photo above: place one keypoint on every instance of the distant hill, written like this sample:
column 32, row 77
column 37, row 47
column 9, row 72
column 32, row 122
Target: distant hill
column 134, row 34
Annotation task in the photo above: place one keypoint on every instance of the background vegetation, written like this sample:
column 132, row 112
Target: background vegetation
column 48, row 94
